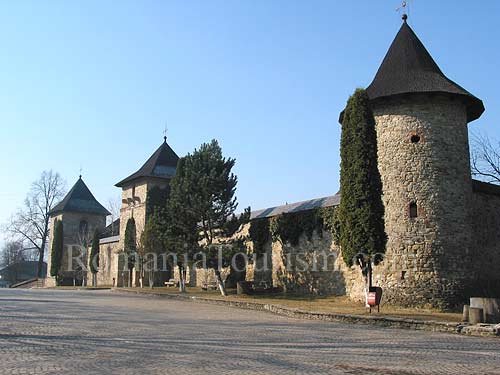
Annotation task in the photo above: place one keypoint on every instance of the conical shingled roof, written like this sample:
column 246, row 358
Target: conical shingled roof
column 79, row 199
column 162, row 164
column 408, row 68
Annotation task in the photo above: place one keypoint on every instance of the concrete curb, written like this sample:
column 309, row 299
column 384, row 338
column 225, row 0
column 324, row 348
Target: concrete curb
column 425, row 325
column 89, row 288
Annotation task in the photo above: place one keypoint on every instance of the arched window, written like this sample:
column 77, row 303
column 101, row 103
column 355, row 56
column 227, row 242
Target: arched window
column 413, row 210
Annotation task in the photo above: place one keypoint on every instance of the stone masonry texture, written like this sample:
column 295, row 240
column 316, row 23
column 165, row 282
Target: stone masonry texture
column 428, row 256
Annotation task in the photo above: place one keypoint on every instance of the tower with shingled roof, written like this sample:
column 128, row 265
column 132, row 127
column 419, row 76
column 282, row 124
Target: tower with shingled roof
column 81, row 214
column 156, row 172
column 423, row 156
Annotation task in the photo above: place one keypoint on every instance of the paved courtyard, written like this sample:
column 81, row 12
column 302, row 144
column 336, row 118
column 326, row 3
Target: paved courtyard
column 84, row 332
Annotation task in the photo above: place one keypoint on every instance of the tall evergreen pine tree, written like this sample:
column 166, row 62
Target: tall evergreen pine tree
column 130, row 247
column 201, row 201
column 181, row 233
column 361, row 211
column 57, row 250
column 94, row 257
column 151, row 245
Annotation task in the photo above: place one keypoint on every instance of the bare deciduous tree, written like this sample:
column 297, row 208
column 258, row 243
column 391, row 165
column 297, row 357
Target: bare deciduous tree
column 113, row 206
column 485, row 158
column 30, row 224
column 12, row 254
column 80, row 255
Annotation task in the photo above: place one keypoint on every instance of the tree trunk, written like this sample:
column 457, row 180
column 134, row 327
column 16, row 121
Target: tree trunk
column 220, row 283
column 182, row 282
column 130, row 278
column 41, row 250
column 142, row 273
column 151, row 279
column 370, row 273
column 368, row 281
column 40, row 260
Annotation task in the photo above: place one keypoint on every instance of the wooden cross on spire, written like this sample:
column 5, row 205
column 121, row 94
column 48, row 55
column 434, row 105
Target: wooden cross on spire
column 165, row 133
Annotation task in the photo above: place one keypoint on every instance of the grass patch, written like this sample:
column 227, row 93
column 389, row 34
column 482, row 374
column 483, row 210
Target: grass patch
column 102, row 287
column 324, row 304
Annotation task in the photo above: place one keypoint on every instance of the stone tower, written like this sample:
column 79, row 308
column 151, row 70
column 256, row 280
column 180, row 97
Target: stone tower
column 423, row 154
column 155, row 173
column 81, row 214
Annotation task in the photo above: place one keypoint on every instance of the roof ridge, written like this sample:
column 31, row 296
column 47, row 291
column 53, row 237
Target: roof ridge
column 328, row 201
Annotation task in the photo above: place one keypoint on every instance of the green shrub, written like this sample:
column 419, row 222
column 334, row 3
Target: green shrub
column 259, row 234
column 57, row 249
column 361, row 211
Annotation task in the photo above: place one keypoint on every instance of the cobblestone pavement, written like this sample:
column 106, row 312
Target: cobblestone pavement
column 99, row 332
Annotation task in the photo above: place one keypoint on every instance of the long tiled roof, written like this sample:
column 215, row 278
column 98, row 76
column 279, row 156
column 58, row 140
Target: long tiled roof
column 112, row 229
column 330, row 201
column 485, row 187
column 79, row 199
column 334, row 200
column 111, row 239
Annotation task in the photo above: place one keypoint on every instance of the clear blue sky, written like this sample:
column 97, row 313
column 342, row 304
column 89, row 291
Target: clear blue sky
column 91, row 84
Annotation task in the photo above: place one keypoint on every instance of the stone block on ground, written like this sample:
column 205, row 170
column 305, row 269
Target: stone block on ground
column 475, row 315
column 482, row 329
column 490, row 306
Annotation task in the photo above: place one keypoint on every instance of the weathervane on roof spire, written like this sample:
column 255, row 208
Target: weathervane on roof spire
column 81, row 171
column 405, row 9
column 165, row 133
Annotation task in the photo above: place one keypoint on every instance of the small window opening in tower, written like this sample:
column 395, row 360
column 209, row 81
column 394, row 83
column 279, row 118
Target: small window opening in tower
column 413, row 210
column 403, row 275
column 415, row 138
